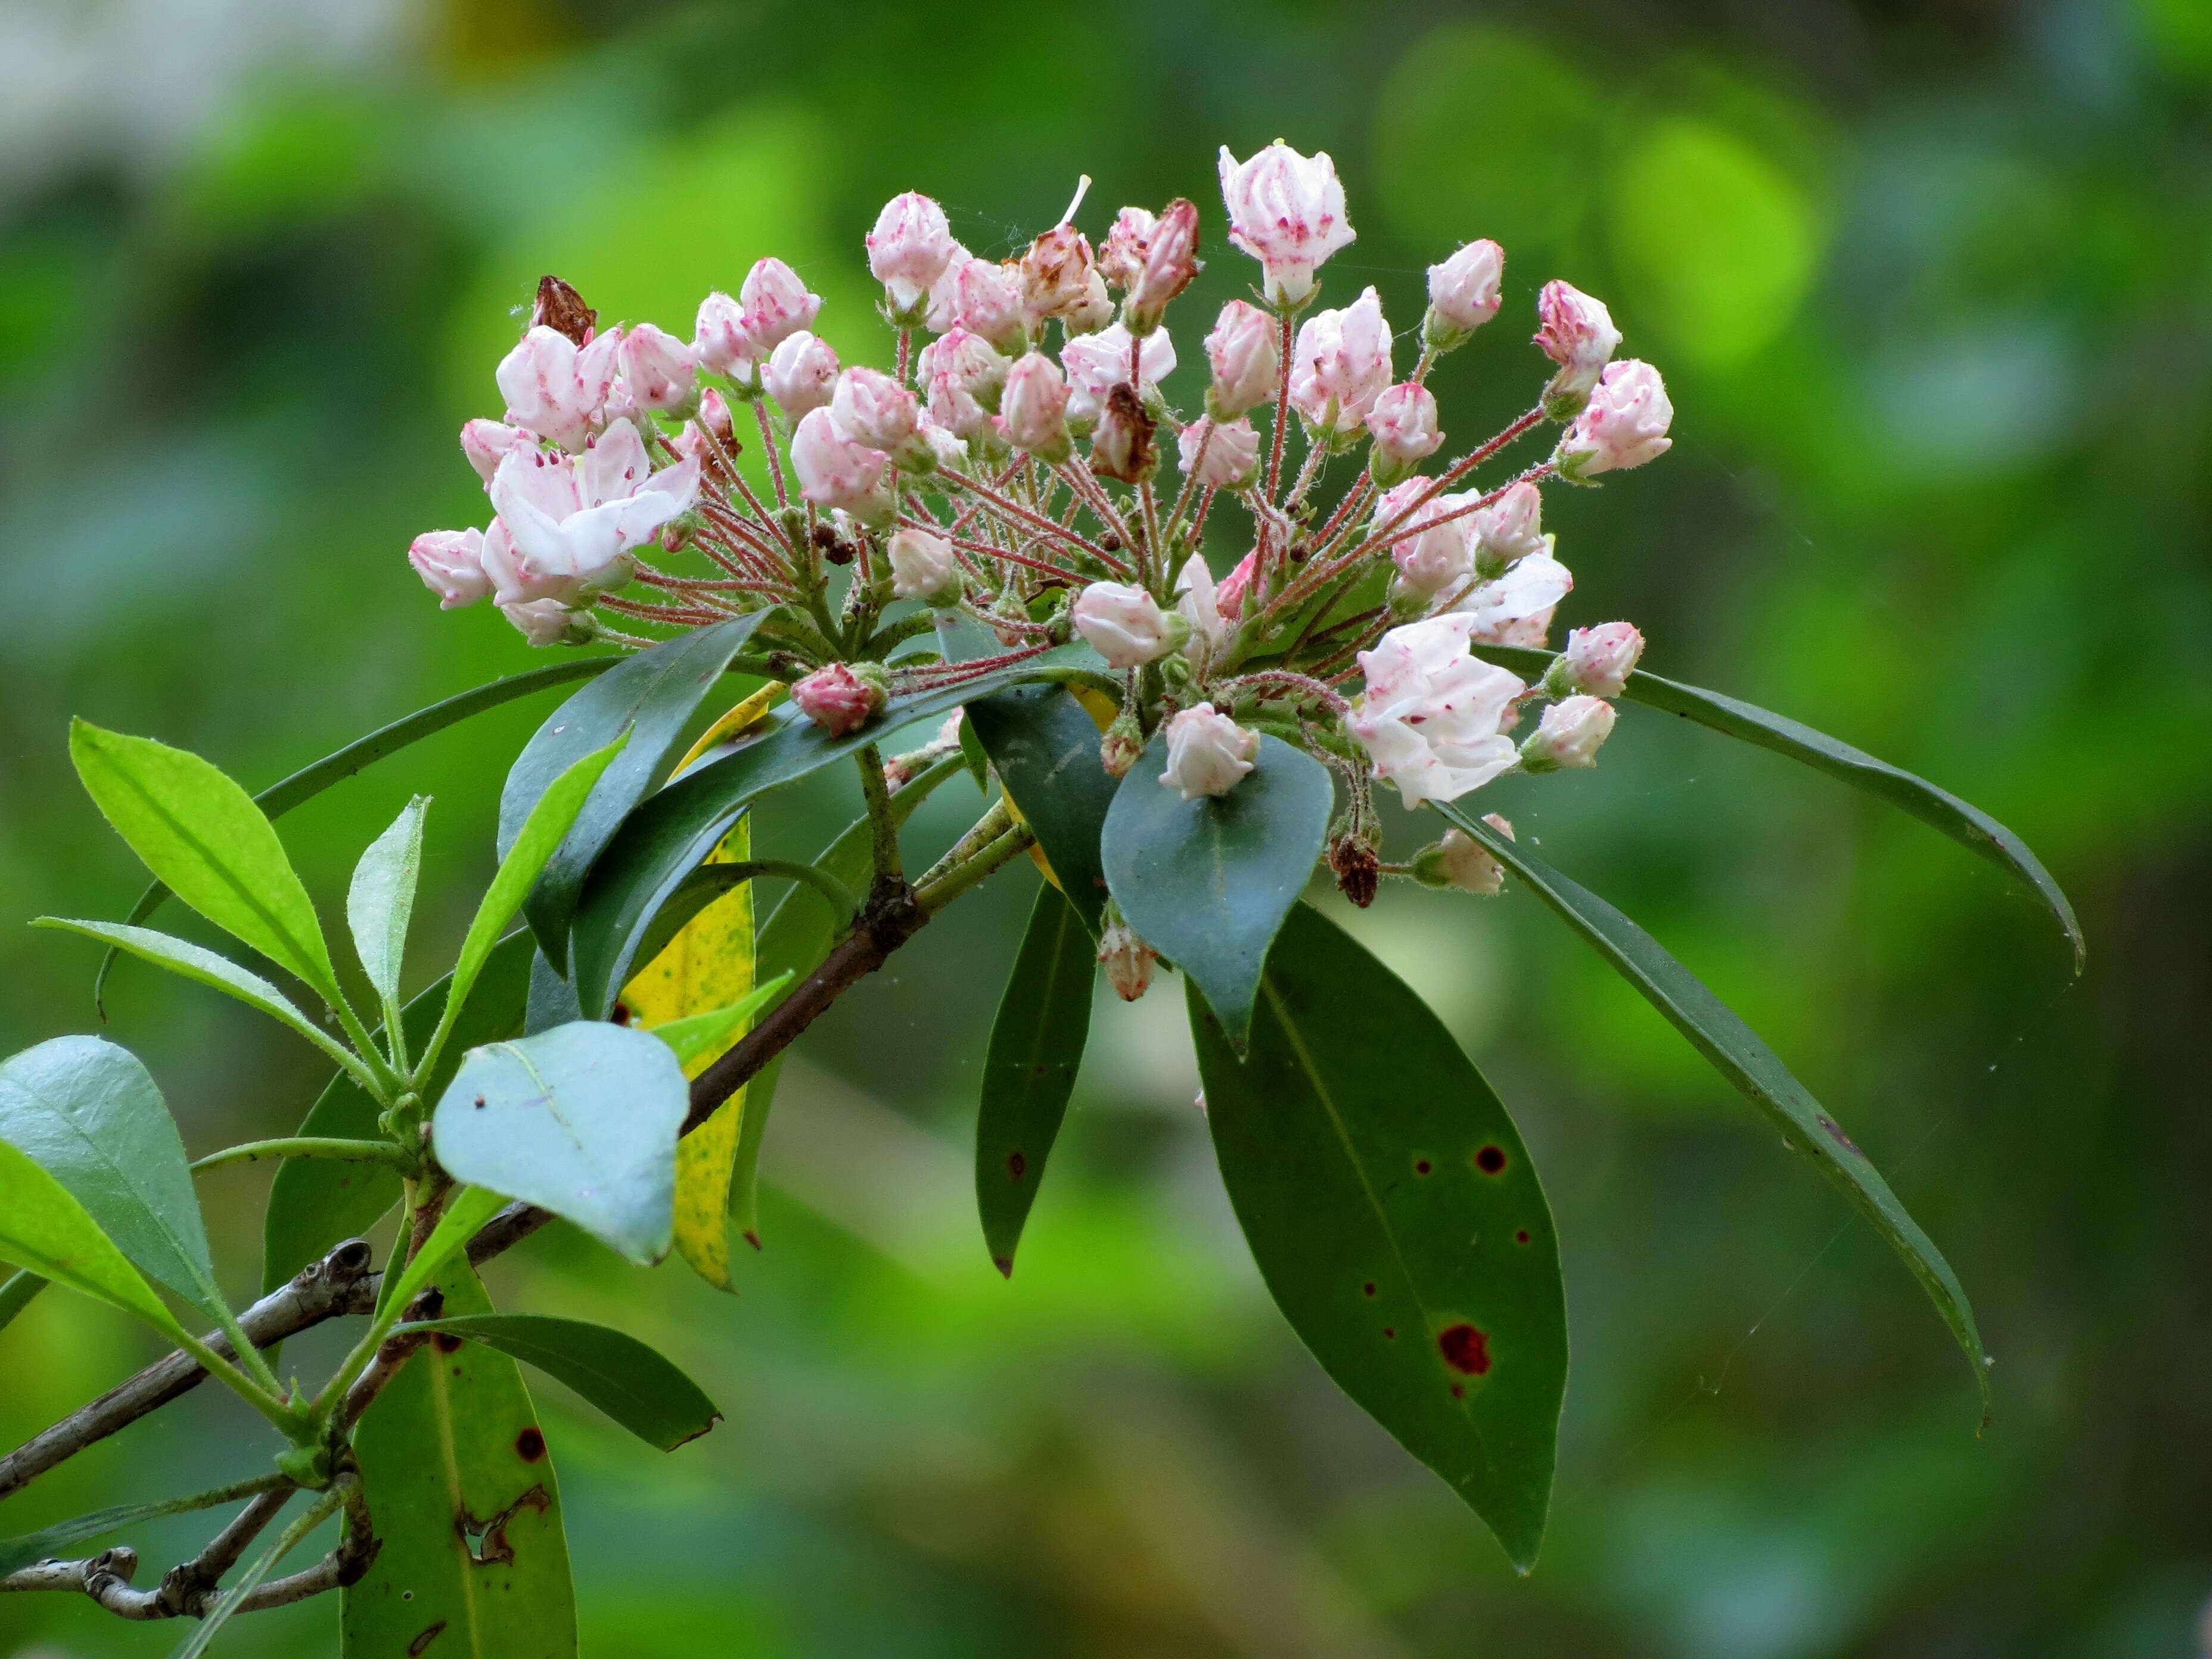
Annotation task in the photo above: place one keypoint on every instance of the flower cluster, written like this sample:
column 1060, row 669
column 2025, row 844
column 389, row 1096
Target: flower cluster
column 1008, row 461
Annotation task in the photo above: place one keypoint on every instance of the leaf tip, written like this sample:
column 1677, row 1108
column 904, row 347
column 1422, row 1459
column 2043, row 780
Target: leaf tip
column 1004, row 1264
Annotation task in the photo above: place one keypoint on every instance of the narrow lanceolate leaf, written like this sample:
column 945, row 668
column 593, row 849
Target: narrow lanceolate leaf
column 44, row 1229
column 310, row 781
column 194, row 963
column 202, row 834
column 1736, row 1052
column 94, row 1118
column 581, row 1120
column 1029, row 1071
column 316, row 1202
column 472, row 1564
column 706, row 967
column 381, row 899
column 1044, row 744
column 48, row 1542
column 652, row 696
column 1967, row 824
column 1206, row 883
column 201, row 1637
column 635, row 1385
column 797, row 936
column 1397, row 1218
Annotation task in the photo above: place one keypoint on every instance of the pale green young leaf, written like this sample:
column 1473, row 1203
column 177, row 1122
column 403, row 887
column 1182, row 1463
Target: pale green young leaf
column 201, row 834
column 45, row 1230
column 696, row 1034
column 469, row 1209
column 381, row 899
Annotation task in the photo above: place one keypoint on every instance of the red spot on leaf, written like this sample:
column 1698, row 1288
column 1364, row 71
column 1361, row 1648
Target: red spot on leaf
column 1464, row 1348
column 530, row 1444
column 1016, row 1165
column 445, row 1341
column 1422, row 1166
column 1390, row 1331
column 1521, row 1237
column 1835, row 1131
column 1369, row 1287
column 1491, row 1159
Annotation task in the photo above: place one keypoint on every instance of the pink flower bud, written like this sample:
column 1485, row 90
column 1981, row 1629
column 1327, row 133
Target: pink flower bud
column 1287, row 212
column 837, row 699
column 1056, row 273
column 910, row 249
column 549, row 621
column 1578, row 334
column 835, row 470
column 1128, row 245
column 659, row 370
column 1208, row 754
column 1096, row 362
column 1430, row 556
column 1599, row 661
column 776, row 305
column 1126, row 625
column 1341, row 365
column 1463, row 294
column 1229, row 597
column 1090, row 313
column 1246, row 359
column 1568, row 735
column 1459, row 860
column 721, row 341
column 1225, row 453
column 557, row 389
column 1624, row 423
column 1034, row 408
column 1510, row 529
column 451, row 565
column 944, row 299
column 878, row 411
column 1170, row 261
column 1127, row 961
column 965, row 376
column 986, row 300
column 486, row 443
column 714, row 414
column 923, row 568
column 801, row 375
column 1404, row 423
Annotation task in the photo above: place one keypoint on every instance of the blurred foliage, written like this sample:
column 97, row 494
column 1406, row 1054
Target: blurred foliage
column 1928, row 281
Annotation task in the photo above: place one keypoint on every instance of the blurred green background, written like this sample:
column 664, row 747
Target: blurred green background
column 1929, row 281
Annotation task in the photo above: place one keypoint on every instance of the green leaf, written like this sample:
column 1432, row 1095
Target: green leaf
column 381, row 899
column 1029, row 1071
column 465, row 1214
column 652, row 696
column 519, row 866
column 633, row 1384
column 473, row 1565
column 17, row 1292
column 671, row 835
column 1396, row 1218
column 795, row 940
column 48, row 1542
column 1206, row 883
column 45, row 1230
column 94, row 1118
column 699, row 1034
column 315, row 1202
column 200, row 833
column 310, row 781
column 202, row 1636
column 194, row 963
column 582, row 1119
column 1971, row 828
column 1734, row 1050
column 1045, row 745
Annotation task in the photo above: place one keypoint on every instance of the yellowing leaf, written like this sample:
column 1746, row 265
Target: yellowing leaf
column 745, row 714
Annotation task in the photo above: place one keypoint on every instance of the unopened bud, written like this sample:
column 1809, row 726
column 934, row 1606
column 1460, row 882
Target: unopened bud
column 1120, row 746
column 1034, row 407
column 1578, row 334
column 842, row 697
column 1403, row 423
column 1246, row 358
column 1170, row 261
column 1568, row 736
column 1127, row 961
column 923, row 568
column 1460, row 860
column 1597, row 660
column 1462, row 295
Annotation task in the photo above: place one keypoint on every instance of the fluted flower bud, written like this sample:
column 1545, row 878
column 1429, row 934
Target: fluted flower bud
column 1127, row 245
column 1403, row 423
column 1127, row 959
column 1286, row 211
column 842, row 697
column 801, row 375
column 660, row 370
column 1597, row 660
column 1126, row 625
column 1510, row 529
column 1119, row 744
column 1462, row 295
column 451, row 565
column 1460, row 860
column 776, row 305
column 1624, row 424
column 1096, row 362
column 1577, row 333
column 879, row 412
column 1246, row 359
column 1225, row 453
column 1123, row 447
column 1170, row 261
column 923, row 567
column 965, row 376
column 1568, row 736
column 835, row 470
column 1341, row 365
column 550, row 622
column 907, row 251
column 986, row 300
column 1209, row 753
column 720, row 341
column 1034, row 408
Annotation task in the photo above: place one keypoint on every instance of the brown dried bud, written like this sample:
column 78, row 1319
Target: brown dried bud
column 1358, row 870
column 1123, row 447
column 561, row 309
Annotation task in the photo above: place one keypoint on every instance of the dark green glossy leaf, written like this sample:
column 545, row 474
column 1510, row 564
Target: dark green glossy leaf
column 1206, row 883
column 1397, row 1219
column 652, row 696
column 309, row 781
column 316, row 1202
column 581, row 1120
column 1967, row 824
column 17, row 1292
column 1045, row 745
column 95, row 1120
column 472, row 1563
column 633, row 1384
column 1736, row 1051
column 1029, row 1071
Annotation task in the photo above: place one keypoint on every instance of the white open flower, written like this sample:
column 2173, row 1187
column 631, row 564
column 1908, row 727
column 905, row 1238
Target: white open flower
column 1125, row 625
column 555, row 388
column 1209, row 753
column 1432, row 714
column 574, row 520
